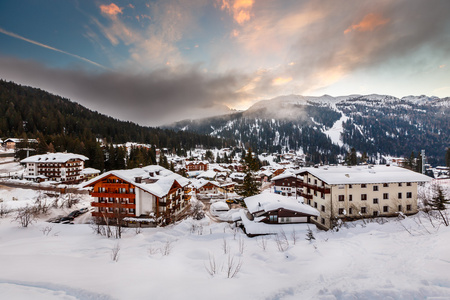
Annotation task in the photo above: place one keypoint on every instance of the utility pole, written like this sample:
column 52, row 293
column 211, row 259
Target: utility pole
column 423, row 161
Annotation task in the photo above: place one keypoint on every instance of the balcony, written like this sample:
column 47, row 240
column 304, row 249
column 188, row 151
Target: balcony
column 111, row 215
column 321, row 189
column 113, row 195
column 186, row 197
column 112, row 204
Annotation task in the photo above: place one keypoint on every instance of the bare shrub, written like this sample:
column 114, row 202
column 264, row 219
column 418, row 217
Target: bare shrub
column 282, row 242
column 225, row 246
column 25, row 216
column 233, row 267
column 46, row 230
column 166, row 248
column 310, row 235
column 115, row 253
column 262, row 242
column 294, row 236
column 4, row 211
column 241, row 244
column 153, row 250
column 211, row 268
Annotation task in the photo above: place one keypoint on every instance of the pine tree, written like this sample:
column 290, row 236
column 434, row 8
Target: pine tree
column 438, row 202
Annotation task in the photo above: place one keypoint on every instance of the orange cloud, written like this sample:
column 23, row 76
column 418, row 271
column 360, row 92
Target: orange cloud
column 281, row 80
column 368, row 23
column 111, row 9
column 239, row 9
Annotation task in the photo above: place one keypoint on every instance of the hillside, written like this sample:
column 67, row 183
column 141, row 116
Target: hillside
column 327, row 126
column 34, row 113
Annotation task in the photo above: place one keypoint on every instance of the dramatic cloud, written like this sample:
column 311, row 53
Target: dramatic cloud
column 160, row 97
column 368, row 23
column 111, row 9
column 239, row 9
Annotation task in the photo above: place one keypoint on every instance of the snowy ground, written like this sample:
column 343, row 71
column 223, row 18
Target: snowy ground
column 407, row 259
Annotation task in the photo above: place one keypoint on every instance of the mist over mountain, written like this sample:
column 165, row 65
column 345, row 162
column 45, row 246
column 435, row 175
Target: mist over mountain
column 326, row 127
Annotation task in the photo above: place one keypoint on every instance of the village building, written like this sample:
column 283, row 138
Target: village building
column 348, row 193
column 148, row 192
column 287, row 184
column 89, row 173
column 10, row 143
column 270, row 213
column 62, row 167
column 196, row 166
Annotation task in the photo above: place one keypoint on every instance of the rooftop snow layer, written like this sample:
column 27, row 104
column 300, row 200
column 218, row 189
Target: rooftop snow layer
column 271, row 201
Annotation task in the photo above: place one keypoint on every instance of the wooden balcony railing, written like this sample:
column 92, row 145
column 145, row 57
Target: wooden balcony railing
column 114, row 195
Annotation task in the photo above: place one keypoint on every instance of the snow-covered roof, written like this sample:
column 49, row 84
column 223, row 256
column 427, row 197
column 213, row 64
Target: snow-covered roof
column 53, row 158
column 207, row 174
column 202, row 182
column 164, row 179
column 237, row 175
column 89, row 171
column 18, row 140
column 285, row 174
column 219, row 205
column 271, row 201
column 365, row 174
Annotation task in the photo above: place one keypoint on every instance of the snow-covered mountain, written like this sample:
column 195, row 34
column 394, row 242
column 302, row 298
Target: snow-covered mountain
column 326, row 126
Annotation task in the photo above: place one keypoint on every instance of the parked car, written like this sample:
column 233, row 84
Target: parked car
column 84, row 210
column 55, row 219
column 67, row 220
column 74, row 214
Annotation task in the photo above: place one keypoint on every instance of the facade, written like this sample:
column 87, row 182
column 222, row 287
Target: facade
column 151, row 191
column 348, row 193
column 287, row 184
column 55, row 166
column 196, row 166
column 276, row 209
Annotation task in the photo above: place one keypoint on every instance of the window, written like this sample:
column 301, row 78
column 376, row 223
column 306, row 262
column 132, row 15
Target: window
column 399, row 195
column 385, row 208
column 309, row 201
column 408, row 207
column 375, row 200
column 363, row 185
column 385, row 184
column 323, row 221
column 350, row 197
column 385, row 196
column 409, row 195
column 273, row 218
column 322, row 195
column 363, row 210
column 309, row 179
column 408, row 184
column 110, row 209
column 400, row 208
column 363, row 197
column 111, row 200
column 315, row 204
column 341, row 197
column 322, row 208
column 350, row 210
column 375, row 188
column 399, row 184
column 350, row 186
column 341, row 211
column 315, row 181
column 376, row 213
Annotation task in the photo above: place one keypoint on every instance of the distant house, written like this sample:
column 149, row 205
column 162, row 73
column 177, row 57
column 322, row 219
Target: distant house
column 196, row 166
column 10, row 143
column 150, row 191
column 341, row 192
column 287, row 184
column 276, row 209
column 55, row 166
column 89, row 173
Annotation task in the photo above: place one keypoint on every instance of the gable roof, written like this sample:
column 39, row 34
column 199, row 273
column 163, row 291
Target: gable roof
column 164, row 179
column 271, row 201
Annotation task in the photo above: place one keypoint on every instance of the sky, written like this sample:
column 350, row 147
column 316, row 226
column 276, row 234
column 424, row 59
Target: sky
column 156, row 62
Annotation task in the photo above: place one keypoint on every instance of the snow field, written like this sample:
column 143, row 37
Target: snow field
column 400, row 259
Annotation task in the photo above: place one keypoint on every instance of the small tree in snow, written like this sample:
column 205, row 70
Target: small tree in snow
column 439, row 202
column 310, row 235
